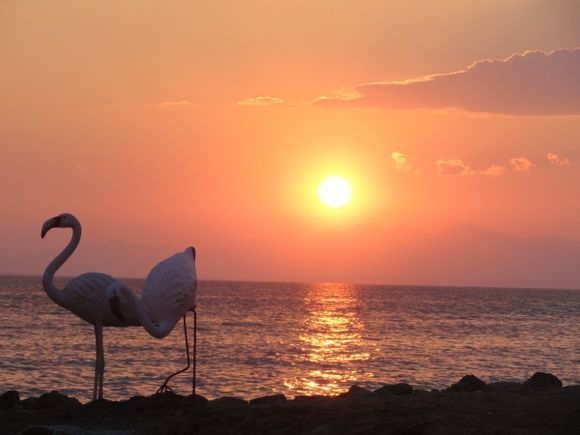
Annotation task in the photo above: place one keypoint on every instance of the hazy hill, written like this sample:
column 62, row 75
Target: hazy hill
column 460, row 255
column 471, row 255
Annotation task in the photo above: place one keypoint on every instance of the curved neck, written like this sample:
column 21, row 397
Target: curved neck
column 48, row 277
column 136, row 304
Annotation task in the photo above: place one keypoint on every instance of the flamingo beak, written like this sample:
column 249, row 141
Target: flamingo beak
column 51, row 223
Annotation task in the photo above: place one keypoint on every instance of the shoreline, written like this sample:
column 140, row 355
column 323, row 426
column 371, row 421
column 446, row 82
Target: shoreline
column 540, row 405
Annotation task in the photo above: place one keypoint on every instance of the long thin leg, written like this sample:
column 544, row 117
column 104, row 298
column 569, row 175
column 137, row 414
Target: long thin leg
column 96, row 363
column 164, row 388
column 100, row 359
column 194, row 349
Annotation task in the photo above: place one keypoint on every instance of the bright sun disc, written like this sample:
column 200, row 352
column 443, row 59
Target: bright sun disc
column 334, row 192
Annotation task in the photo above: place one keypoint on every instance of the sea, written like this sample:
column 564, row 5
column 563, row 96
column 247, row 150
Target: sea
column 262, row 338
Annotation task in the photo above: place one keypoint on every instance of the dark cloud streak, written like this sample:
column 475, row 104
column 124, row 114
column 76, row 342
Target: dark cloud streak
column 534, row 83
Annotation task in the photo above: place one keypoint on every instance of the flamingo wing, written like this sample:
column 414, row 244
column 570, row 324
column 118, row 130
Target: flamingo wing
column 171, row 288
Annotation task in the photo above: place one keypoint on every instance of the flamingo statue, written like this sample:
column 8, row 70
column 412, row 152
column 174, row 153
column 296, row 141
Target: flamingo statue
column 101, row 300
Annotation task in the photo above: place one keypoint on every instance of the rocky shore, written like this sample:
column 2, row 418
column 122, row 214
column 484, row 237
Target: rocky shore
column 540, row 405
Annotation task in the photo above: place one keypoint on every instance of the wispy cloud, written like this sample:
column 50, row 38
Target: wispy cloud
column 494, row 171
column 401, row 161
column 458, row 167
column 178, row 103
column 533, row 83
column 261, row 101
column 521, row 164
column 455, row 167
column 152, row 105
column 555, row 159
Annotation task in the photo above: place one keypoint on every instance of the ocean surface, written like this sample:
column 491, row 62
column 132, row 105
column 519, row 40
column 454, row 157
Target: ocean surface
column 262, row 338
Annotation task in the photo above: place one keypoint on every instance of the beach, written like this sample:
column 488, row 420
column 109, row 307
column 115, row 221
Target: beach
column 540, row 405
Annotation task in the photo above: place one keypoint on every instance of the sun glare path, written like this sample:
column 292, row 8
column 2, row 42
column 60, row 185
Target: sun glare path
column 334, row 192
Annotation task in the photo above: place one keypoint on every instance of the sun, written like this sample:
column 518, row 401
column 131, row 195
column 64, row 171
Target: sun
column 334, row 191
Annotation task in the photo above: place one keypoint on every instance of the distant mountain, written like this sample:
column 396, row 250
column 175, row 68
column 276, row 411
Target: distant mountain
column 116, row 258
column 470, row 255
column 460, row 255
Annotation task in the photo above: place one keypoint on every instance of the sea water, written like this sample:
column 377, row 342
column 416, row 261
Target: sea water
column 256, row 339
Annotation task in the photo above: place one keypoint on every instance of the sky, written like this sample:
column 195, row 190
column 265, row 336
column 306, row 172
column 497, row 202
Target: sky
column 164, row 124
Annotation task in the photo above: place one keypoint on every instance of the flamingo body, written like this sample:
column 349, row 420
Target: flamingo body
column 86, row 296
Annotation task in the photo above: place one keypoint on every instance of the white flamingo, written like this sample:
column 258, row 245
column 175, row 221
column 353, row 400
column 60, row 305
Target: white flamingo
column 101, row 300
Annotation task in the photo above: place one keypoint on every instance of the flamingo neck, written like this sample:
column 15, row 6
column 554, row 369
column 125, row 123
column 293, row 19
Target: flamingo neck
column 48, row 277
column 157, row 330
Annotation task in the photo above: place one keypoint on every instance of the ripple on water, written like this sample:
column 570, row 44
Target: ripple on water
column 262, row 338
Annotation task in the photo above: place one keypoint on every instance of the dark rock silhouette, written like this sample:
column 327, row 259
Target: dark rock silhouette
column 355, row 392
column 543, row 380
column 9, row 399
column 52, row 400
column 501, row 407
column 267, row 400
column 228, row 402
column 396, row 389
column 468, row 383
column 503, row 386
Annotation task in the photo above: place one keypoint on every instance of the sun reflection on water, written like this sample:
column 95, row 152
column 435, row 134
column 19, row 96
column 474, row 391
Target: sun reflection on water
column 331, row 340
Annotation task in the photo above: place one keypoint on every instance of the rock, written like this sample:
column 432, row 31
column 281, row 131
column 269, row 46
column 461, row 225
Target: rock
column 326, row 429
column 356, row 392
column 543, row 380
column 198, row 400
column 410, row 429
column 228, row 402
column 310, row 398
column 267, row 400
column 52, row 400
column 468, row 383
column 28, row 403
column 503, row 387
column 396, row 389
column 37, row 430
column 64, row 430
column 9, row 399
column 167, row 401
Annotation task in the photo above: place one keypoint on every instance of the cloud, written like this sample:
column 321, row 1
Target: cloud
column 534, row 83
column 178, row 103
column 555, row 159
column 152, row 105
column 401, row 161
column 521, row 164
column 494, row 171
column 261, row 101
column 453, row 167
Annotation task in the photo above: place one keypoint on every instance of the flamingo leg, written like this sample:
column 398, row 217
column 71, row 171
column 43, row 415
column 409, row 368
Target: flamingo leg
column 164, row 388
column 194, row 351
column 100, row 363
column 96, row 367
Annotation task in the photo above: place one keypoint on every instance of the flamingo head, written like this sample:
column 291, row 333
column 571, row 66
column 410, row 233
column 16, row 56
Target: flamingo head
column 63, row 220
column 114, row 290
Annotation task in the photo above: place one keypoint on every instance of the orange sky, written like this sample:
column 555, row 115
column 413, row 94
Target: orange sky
column 167, row 123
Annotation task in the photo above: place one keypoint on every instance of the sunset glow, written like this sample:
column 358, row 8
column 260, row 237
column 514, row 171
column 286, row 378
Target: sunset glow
column 192, row 123
column 334, row 192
